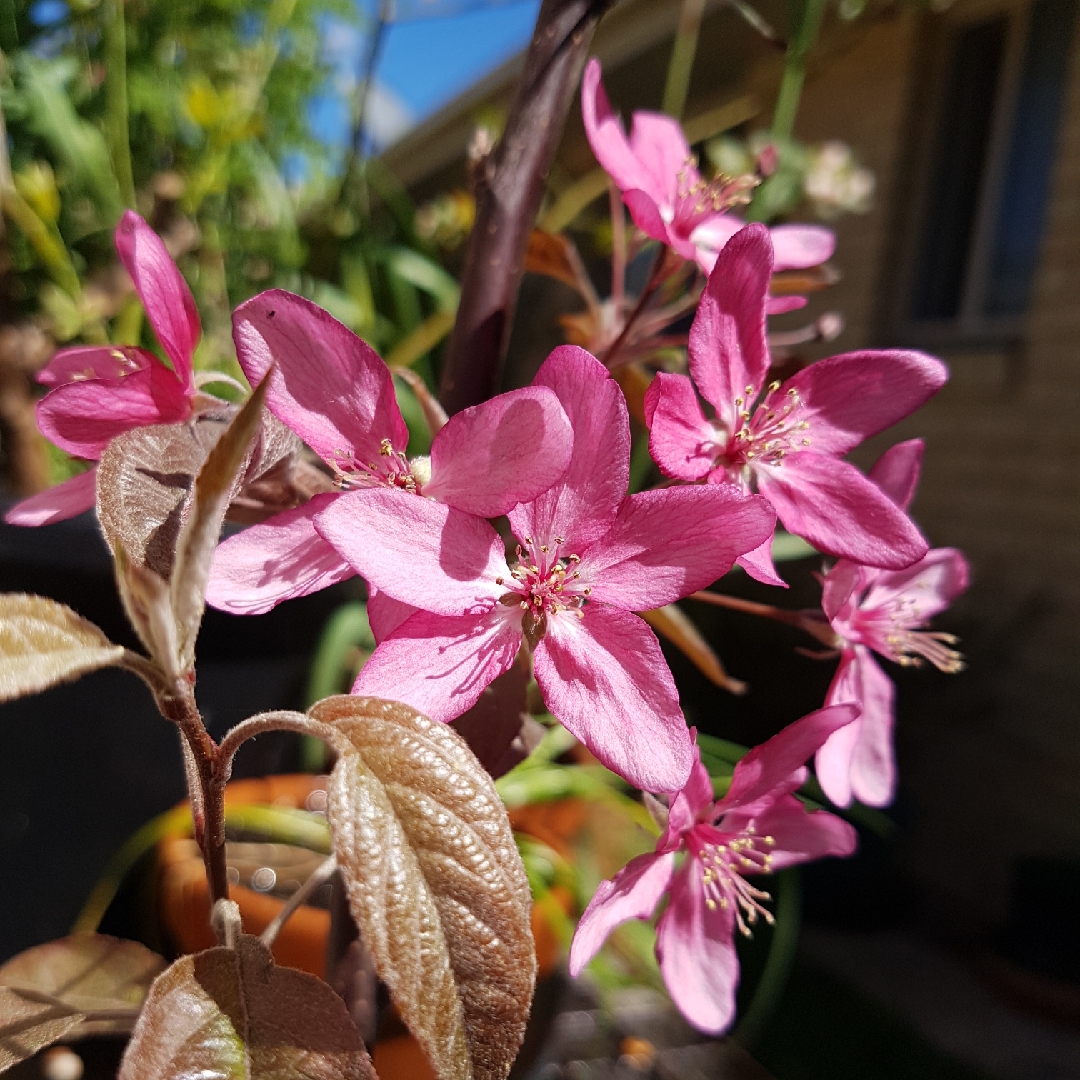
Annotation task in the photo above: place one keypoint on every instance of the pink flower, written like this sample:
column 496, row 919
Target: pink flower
column 758, row 827
column 99, row 392
column 789, row 444
column 880, row 611
column 589, row 557
column 335, row 392
column 669, row 200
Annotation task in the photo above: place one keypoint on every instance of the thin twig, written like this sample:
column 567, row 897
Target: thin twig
column 618, row 248
column 318, row 877
column 661, row 268
column 806, row 621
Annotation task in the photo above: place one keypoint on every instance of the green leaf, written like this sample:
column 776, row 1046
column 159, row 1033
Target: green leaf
column 51, row 115
column 427, row 275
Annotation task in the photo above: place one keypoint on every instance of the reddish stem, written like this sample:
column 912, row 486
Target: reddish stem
column 807, row 622
column 510, row 187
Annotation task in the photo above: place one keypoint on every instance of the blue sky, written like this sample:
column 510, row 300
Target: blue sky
column 424, row 63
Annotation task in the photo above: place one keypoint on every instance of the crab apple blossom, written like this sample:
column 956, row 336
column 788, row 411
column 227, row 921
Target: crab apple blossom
column 335, row 392
column 97, row 392
column 758, row 827
column 669, row 200
column 872, row 610
column 786, row 440
column 589, row 557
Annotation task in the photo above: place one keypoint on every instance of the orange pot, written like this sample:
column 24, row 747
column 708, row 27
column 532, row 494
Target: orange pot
column 184, row 899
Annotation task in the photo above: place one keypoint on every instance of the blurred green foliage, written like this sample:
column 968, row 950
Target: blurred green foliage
column 195, row 112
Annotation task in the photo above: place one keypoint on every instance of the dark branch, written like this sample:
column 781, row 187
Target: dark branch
column 510, row 187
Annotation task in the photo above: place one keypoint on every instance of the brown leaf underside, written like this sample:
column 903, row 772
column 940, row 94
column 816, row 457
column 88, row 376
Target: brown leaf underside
column 43, row 643
column 236, row 1014
column 82, row 974
column 435, row 883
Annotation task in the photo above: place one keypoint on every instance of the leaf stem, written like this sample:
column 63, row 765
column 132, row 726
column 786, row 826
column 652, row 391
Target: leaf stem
column 664, row 264
column 281, row 720
column 116, row 99
column 681, row 64
column 807, row 621
column 802, row 41
column 315, row 879
column 178, row 705
column 785, row 938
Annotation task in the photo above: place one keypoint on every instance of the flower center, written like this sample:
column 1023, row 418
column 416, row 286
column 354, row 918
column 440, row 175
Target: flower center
column 892, row 630
column 543, row 583
column 721, row 867
column 393, row 469
column 777, row 427
column 696, row 198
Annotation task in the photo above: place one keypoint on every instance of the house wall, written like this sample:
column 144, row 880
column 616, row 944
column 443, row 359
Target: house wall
column 990, row 759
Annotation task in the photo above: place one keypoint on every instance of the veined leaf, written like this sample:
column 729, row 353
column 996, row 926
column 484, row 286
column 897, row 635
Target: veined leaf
column 87, row 984
column 214, row 488
column 143, row 482
column 234, row 1014
column 43, row 643
column 28, row 1025
column 435, row 883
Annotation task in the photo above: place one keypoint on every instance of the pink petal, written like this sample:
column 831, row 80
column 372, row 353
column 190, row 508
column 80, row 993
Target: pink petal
column 670, row 542
column 778, row 305
column 687, row 805
column 832, row 762
column 582, row 505
column 418, row 551
column 682, row 442
column 330, row 387
column 169, row 305
column 840, row 511
column 58, row 503
column 798, row 247
column 873, row 764
column 926, row 588
column 727, row 347
column 800, row 835
column 649, row 219
column 658, row 143
column 276, row 560
column 846, row 399
column 82, row 417
column 844, row 579
column 508, row 450
column 770, row 764
column 607, row 681
column 759, row 565
column 696, row 949
column 607, row 138
column 632, row 893
column 861, row 763
column 711, row 235
column 441, row 664
column 108, row 363
column 385, row 614
column 897, row 471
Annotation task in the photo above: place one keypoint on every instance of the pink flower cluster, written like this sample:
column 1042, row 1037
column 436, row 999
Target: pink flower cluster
column 451, row 610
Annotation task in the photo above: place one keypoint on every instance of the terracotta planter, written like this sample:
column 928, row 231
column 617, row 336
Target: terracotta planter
column 184, row 899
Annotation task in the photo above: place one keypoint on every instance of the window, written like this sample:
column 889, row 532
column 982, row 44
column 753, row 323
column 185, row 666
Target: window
column 999, row 83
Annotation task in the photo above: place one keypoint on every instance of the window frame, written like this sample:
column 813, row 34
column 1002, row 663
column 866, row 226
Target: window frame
column 970, row 326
